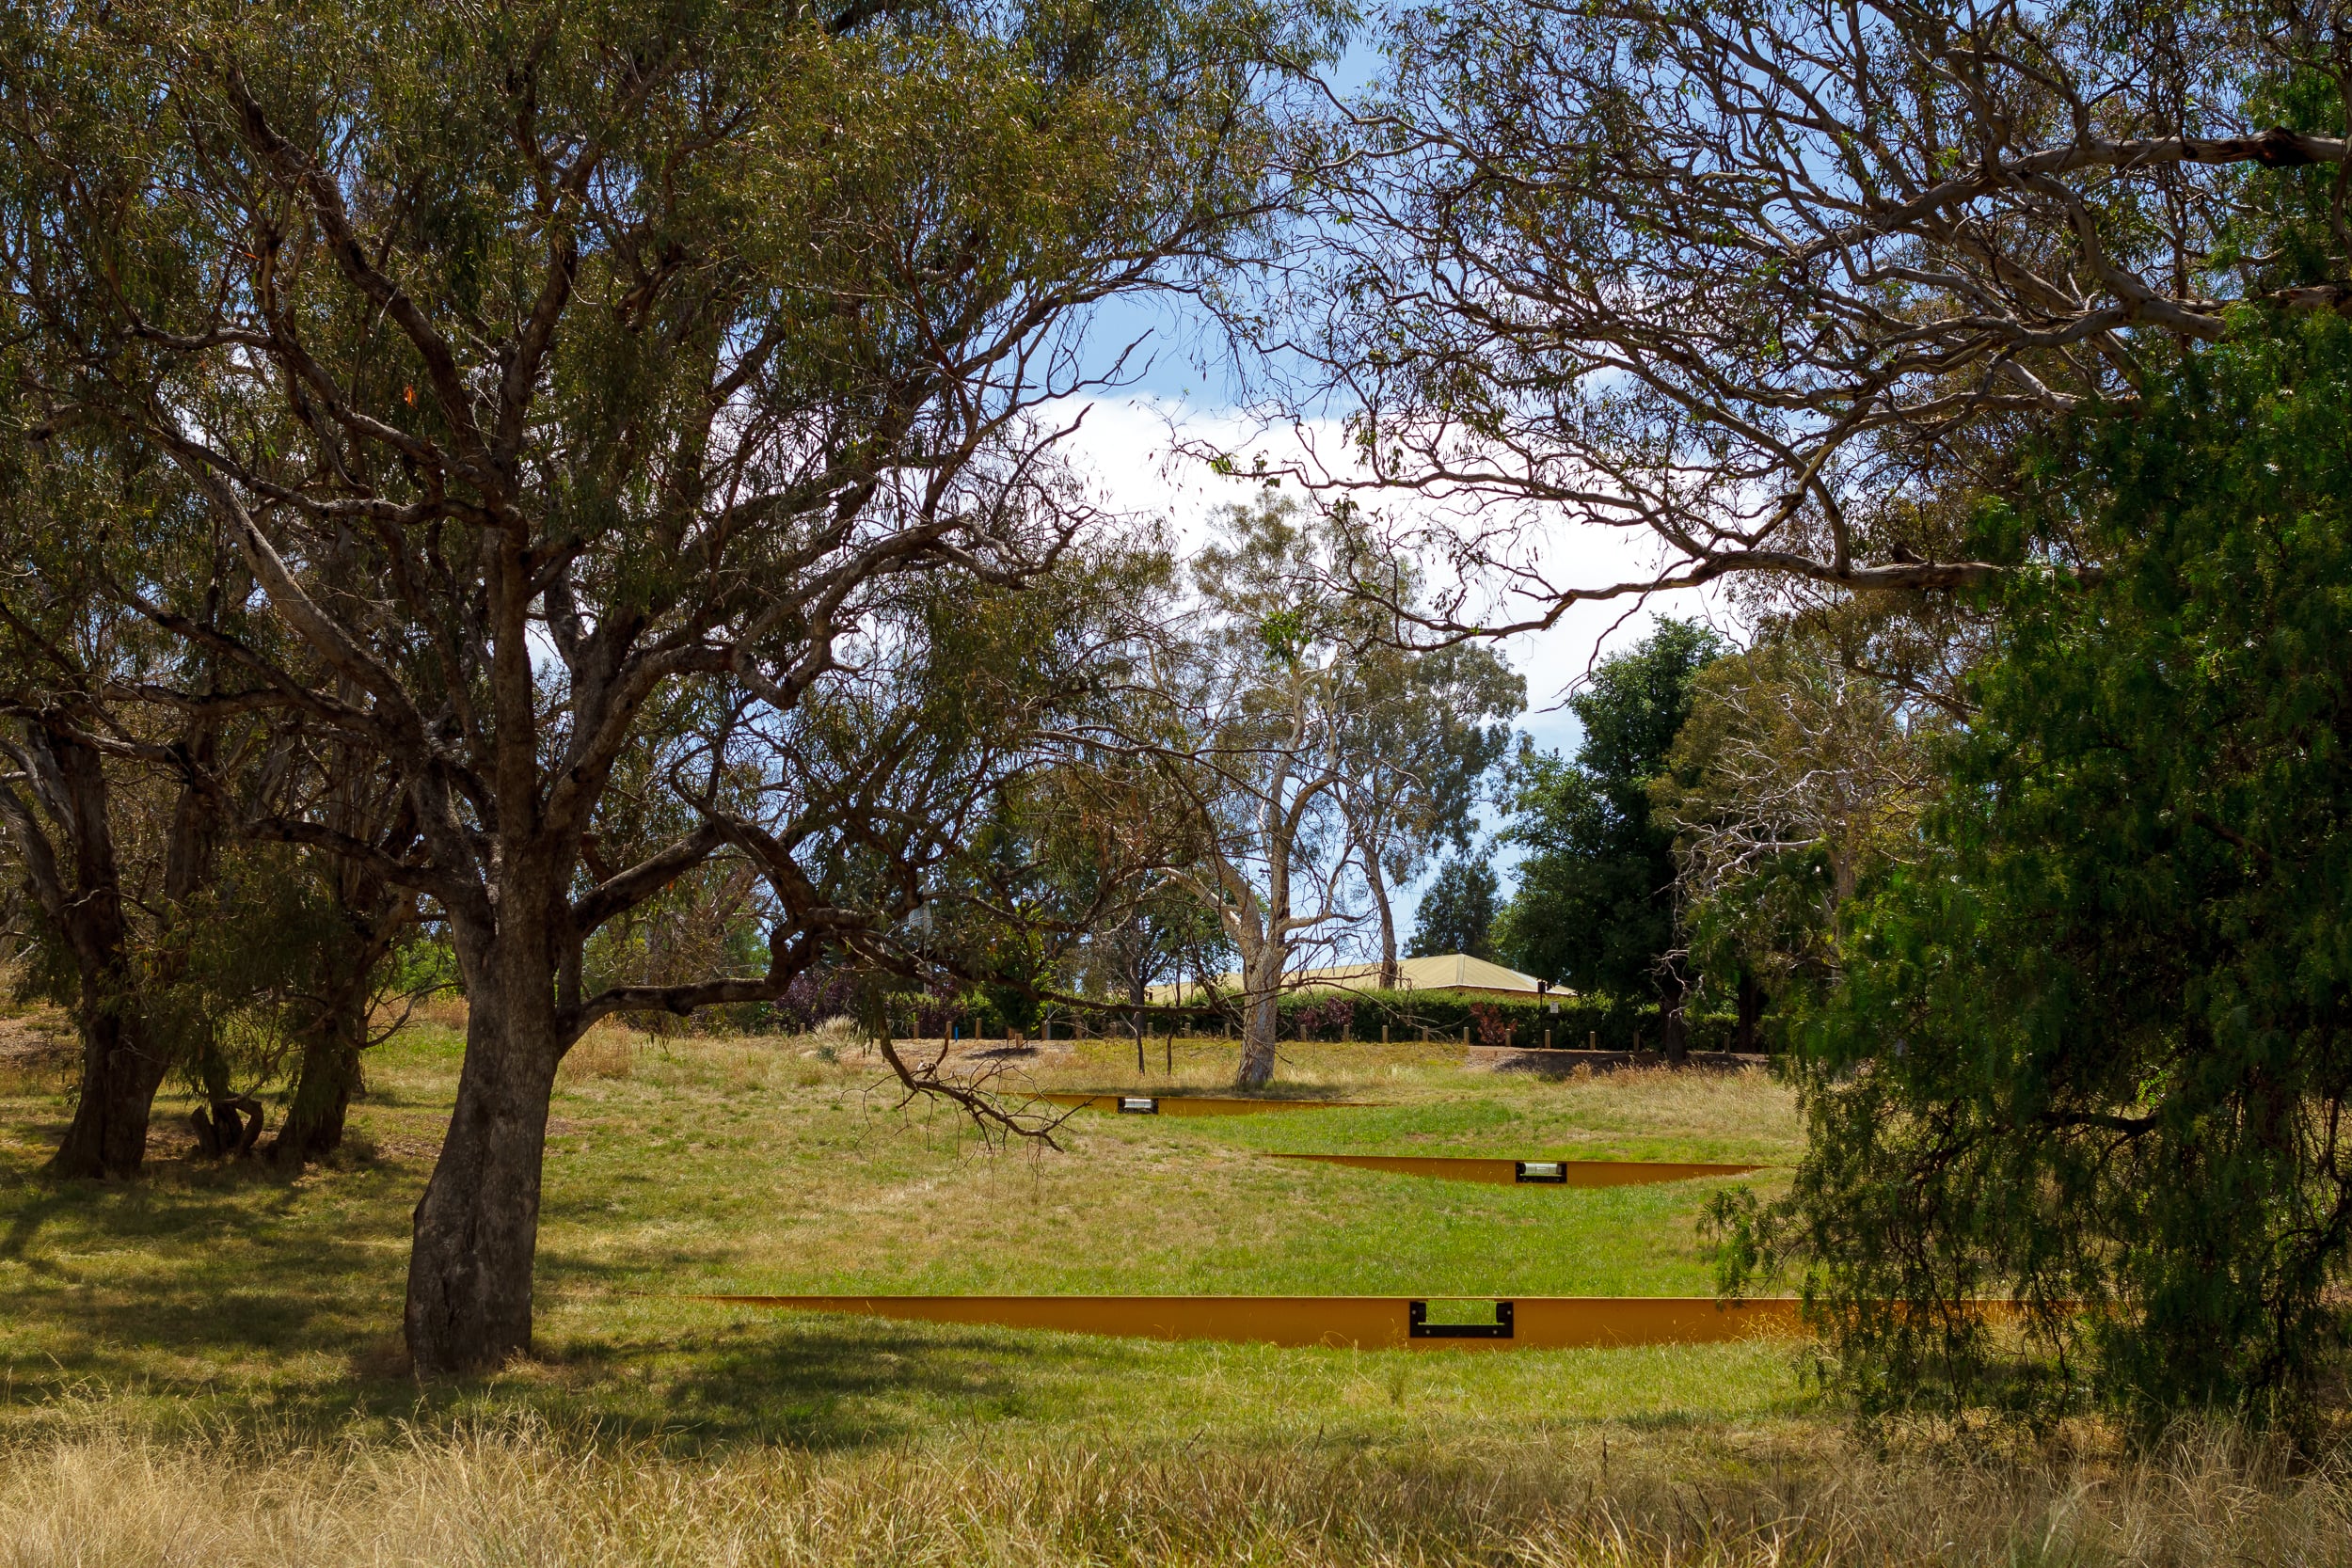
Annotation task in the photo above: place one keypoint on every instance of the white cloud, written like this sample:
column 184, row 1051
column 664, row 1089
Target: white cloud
column 1134, row 451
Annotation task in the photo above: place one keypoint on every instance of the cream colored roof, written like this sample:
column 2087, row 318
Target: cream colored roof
column 1442, row 972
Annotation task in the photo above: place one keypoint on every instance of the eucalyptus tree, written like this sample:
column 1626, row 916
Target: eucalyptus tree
column 163, row 928
column 1794, row 778
column 542, row 363
column 1421, row 732
column 1772, row 287
column 1245, row 726
column 1159, row 933
column 117, row 809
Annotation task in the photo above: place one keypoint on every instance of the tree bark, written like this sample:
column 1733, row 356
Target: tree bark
column 1379, row 886
column 476, row 1229
column 1677, row 1024
column 120, row 1074
column 1262, row 980
column 1751, row 1011
column 372, row 917
column 325, row 1079
column 123, row 1065
column 1136, row 999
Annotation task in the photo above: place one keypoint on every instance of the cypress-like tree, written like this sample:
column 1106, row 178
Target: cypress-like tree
column 1594, row 903
column 2092, row 1048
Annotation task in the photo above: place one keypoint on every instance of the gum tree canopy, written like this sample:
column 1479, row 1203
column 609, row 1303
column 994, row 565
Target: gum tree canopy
column 567, row 376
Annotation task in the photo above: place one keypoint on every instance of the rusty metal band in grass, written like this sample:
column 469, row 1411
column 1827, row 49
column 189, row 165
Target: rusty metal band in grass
column 1362, row 1322
column 1196, row 1104
column 1530, row 1173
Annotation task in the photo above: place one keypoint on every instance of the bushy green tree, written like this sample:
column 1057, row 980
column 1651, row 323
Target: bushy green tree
column 1457, row 912
column 1593, row 907
column 2094, row 1050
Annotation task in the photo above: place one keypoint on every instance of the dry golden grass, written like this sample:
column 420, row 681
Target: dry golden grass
column 517, row 1493
column 37, row 1046
column 607, row 1051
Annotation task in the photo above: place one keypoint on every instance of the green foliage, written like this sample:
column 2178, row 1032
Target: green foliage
column 1594, row 903
column 2096, row 1047
column 1457, row 912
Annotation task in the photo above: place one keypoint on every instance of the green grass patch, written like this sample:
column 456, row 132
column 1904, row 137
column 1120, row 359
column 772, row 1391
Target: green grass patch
column 204, row 1294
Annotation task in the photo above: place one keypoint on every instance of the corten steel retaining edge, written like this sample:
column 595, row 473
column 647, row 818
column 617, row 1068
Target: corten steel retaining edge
column 1198, row 1105
column 1360, row 1323
column 1529, row 1173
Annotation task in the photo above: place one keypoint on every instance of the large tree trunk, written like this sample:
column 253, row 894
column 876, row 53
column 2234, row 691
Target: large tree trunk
column 325, row 1078
column 1262, row 982
column 121, row 1073
column 1751, row 1011
column 122, row 1064
column 477, row 1228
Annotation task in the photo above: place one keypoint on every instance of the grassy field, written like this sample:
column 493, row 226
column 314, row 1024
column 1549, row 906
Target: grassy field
column 225, row 1337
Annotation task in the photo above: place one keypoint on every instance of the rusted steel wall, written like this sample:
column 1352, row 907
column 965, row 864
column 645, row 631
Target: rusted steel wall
column 1363, row 1323
column 1507, row 1173
column 1197, row 1104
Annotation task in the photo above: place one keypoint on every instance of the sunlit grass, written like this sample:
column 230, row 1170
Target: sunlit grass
column 202, row 1367
column 761, row 1165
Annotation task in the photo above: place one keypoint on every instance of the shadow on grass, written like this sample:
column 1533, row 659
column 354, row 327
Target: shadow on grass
column 221, row 1283
column 242, row 1298
column 823, row 1383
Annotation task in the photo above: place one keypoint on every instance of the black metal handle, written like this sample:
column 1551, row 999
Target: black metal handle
column 1418, row 1326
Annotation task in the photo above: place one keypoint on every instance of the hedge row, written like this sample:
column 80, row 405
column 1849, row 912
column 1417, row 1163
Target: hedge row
column 1572, row 1022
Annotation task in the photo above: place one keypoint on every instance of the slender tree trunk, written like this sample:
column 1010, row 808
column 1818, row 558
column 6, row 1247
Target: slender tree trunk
column 371, row 917
column 1676, row 1030
column 476, row 1229
column 327, row 1076
column 1379, row 886
column 1135, row 998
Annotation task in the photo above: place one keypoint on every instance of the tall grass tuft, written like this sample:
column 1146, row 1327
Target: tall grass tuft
column 97, row 1492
